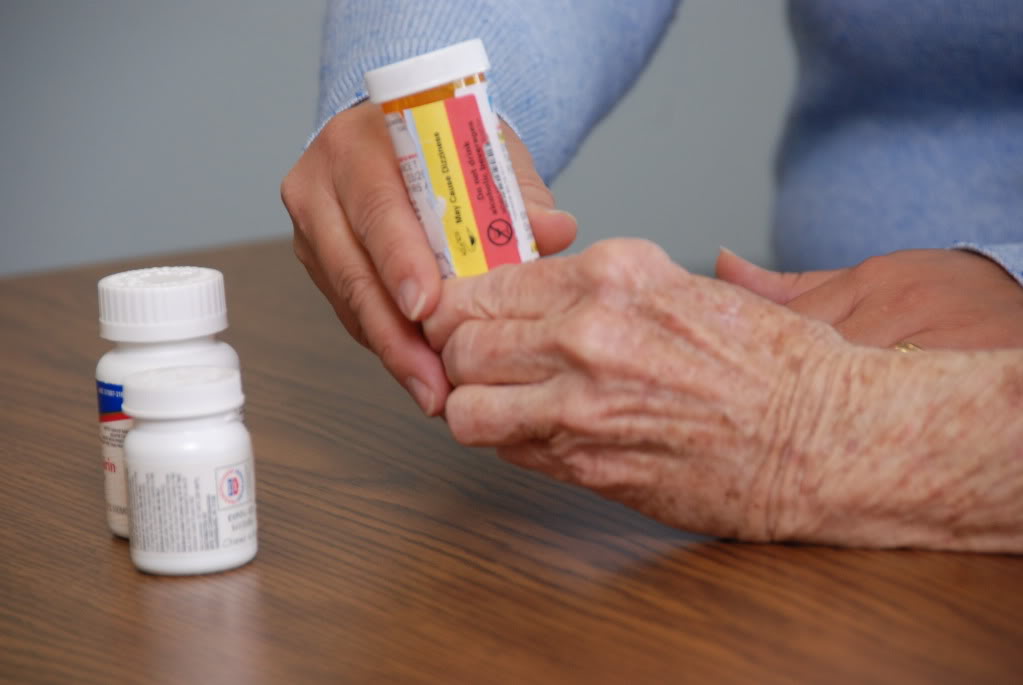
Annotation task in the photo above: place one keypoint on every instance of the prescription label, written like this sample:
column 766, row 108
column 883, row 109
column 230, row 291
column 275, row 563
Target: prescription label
column 113, row 427
column 460, row 180
column 193, row 508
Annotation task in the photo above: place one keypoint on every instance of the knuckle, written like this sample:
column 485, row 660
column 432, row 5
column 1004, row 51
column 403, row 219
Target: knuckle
column 456, row 350
column 622, row 261
column 354, row 287
column 644, row 254
column 575, row 418
column 375, row 207
column 602, row 262
column 533, row 188
column 871, row 268
column 460, row 414
column 462, row 426
column 352, row 325
column 341, row 308
column 578, row 468
column 292, row 193
column 470, row 351
column 595, row 472
column 301, row 249
column 583, row 337
column 437, row 333
column 391, row 258
column 389, row 352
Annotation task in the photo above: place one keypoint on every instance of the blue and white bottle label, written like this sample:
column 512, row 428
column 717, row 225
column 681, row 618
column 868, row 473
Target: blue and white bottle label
column 193, row 508
column 113, row 427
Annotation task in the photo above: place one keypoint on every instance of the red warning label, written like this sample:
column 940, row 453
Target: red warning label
column 493, row 219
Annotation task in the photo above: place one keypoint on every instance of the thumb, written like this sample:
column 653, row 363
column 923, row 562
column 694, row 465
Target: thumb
column 774, row 285
column 554, row 229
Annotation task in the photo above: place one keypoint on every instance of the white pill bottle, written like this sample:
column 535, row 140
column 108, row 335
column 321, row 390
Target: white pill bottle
column 157, row 317
column 191, row 477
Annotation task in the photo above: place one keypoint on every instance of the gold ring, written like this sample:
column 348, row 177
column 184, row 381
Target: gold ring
column 907, row 347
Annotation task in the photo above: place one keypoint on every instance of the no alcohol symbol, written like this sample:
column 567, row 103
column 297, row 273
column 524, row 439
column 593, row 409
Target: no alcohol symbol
column 499, row 232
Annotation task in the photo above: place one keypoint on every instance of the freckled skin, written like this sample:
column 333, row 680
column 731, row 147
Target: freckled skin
column 709, row 408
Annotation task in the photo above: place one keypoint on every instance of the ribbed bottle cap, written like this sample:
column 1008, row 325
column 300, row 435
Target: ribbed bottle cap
column 427, row 71
column 162, row 303
column 181, row 392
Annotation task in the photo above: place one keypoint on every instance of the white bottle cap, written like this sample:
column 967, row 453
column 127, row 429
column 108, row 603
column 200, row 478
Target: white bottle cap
column 427, row 71
column 162, row 303
column 181, row 392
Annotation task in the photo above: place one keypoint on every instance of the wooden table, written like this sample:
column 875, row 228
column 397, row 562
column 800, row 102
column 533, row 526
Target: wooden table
column 390, row 554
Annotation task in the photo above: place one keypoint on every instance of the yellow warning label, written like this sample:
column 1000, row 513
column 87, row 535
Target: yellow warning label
column 445, row 171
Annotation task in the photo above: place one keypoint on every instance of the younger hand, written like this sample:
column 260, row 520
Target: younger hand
column 932, row 298
column 357, row 235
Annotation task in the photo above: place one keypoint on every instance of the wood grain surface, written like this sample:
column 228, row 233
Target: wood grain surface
column 389, row 554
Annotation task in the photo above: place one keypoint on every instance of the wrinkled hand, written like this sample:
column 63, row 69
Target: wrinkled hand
column 933, row 298
column 357, row 235
column 617, row 370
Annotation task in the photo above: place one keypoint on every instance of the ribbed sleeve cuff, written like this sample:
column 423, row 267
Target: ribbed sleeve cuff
column 363, row 36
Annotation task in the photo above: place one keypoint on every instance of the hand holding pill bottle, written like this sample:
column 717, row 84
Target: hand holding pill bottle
column 453, row 158
column 357, row 232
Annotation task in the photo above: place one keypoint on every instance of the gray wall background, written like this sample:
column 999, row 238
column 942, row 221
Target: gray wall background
column 132, row 129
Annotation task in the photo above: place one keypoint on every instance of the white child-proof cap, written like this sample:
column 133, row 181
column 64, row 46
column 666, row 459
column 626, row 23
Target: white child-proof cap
column 427, row 71
column 163, row 303
column 180, row 392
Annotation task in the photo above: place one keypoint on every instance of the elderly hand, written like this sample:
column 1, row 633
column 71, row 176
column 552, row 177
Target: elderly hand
column 617, row 370
column 357, row 235
column 715, row 410
column 932, row 298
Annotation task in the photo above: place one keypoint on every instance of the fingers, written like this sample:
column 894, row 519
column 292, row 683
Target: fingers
column 522, row 291
column 553, row 228
column 369, row 186
column 343, row 272
column 497, row 415
column 831, row 302
column 307, row 257
column 362, row 244
column 501, row 352
column 827, row 296
column 773, row 285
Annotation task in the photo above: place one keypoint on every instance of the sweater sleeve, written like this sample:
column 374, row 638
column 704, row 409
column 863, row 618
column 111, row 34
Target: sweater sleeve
column 558, row 66
column 1007, row 255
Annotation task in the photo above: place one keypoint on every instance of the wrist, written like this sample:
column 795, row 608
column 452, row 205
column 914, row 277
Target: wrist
column 919, row 450
column 798, row 365
column 811, row 401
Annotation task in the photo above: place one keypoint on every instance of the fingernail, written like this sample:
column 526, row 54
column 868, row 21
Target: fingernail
column 422, row 394
column 562, row 212
column 722, row 248
column 411, row 299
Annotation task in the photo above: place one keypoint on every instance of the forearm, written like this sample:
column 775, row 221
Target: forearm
column 558, row 65
column 921, row 450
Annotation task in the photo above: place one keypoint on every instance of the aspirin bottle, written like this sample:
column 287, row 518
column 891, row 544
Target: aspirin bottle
column 162, row 316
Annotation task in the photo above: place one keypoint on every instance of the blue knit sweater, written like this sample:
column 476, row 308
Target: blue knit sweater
column 906, row 130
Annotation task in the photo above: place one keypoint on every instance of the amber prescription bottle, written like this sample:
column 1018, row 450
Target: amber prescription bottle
column 453, row 158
